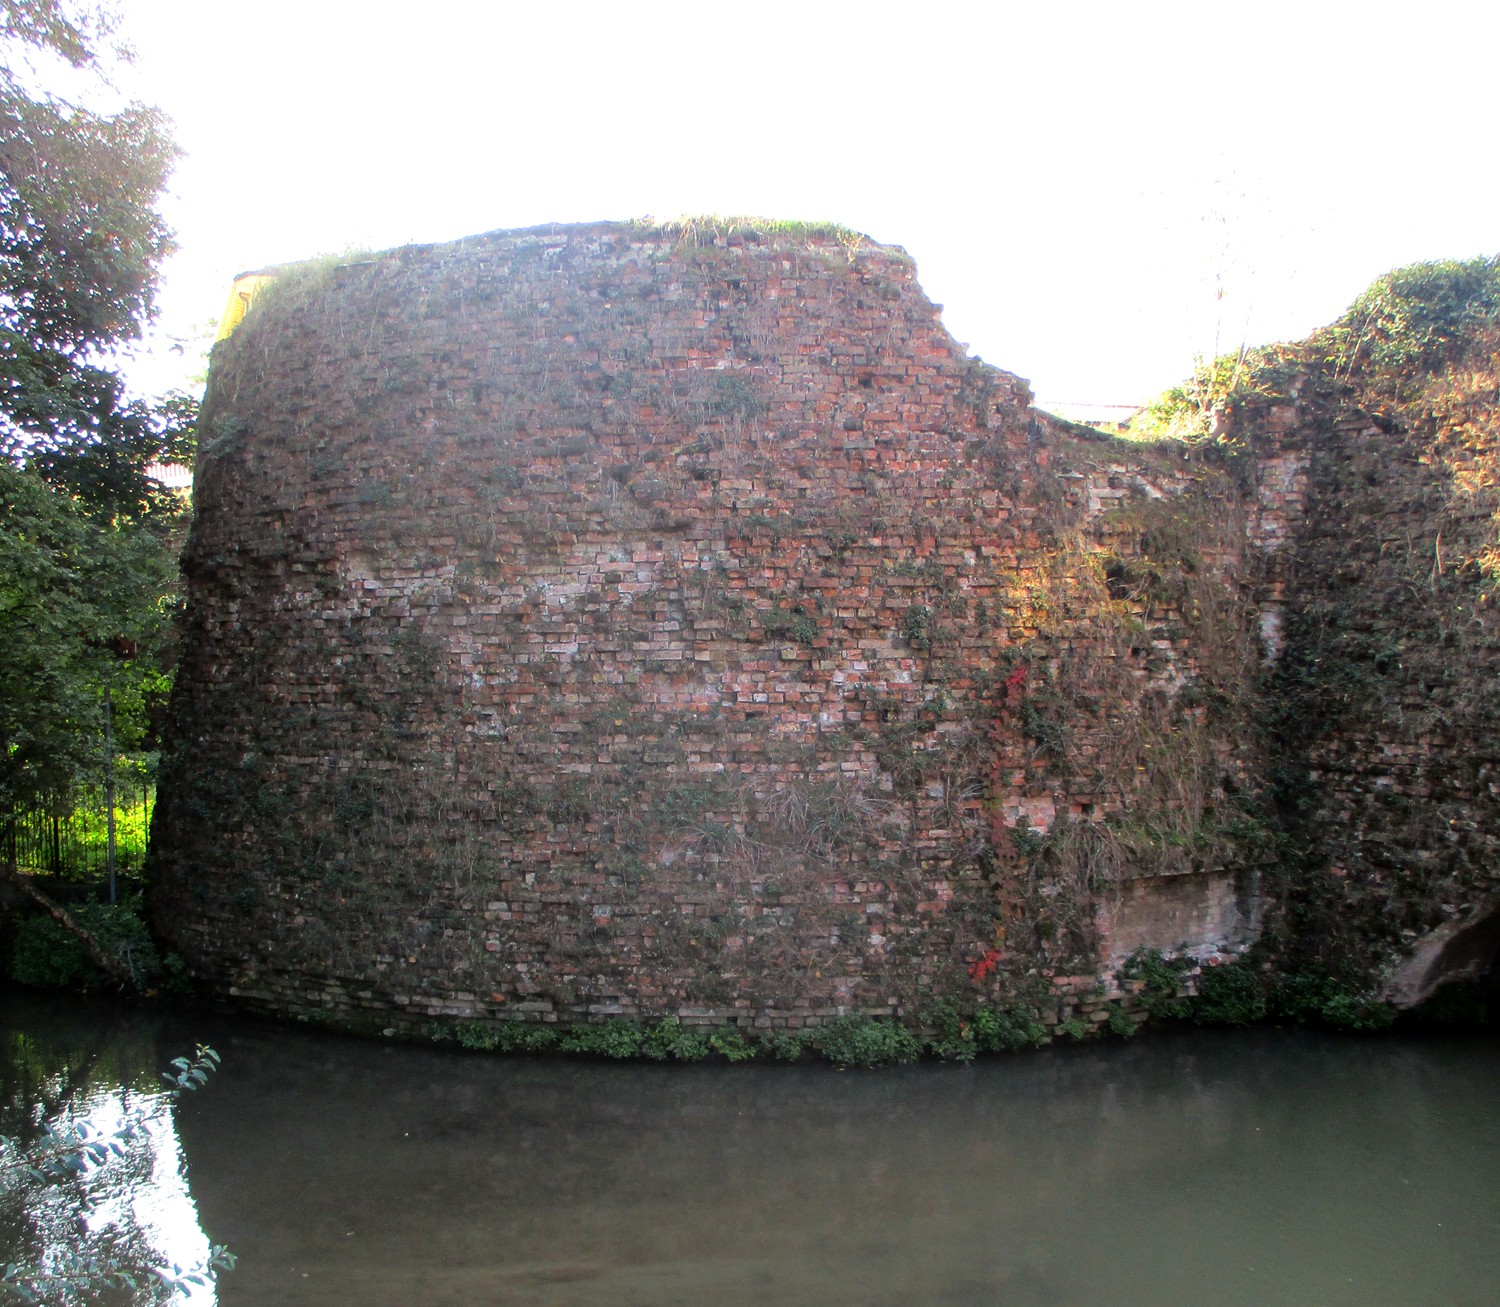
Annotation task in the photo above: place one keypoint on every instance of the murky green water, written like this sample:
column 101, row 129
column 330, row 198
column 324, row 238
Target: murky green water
column 1210, row 1168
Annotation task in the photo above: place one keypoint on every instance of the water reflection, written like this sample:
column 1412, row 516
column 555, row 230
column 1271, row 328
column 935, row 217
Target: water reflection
column 1240, row 1169
column 132, row 1211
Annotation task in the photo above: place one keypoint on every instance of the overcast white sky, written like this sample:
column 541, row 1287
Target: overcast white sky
column 1074, row 180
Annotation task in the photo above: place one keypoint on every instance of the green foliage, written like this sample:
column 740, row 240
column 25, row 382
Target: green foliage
column 669, row 1039
column 175, row 977
column 87, row 553
column 525, row 1037
column 731, row 1045
column 191, row 1073
column 81, row 832
column 734, row 396
column 1319, row 998
column 78, row 207
column 298, row 286
column 1243, row 993
column 916, row 627
column 1232, row 994
column 618, row 1039
column 1411, row 318
column 713, row 228
column 1119, row 1022
column 75, row 594
column 952, row 1038
column 47, row 956
column 1161, row 994
column 1408, row 321
column 1027, row 840
column 959, row 1035
column 478, row 1036
column 1047, row 724
column 614, row 1039
column 45, row 25
column 1077, row 1029
column 78, row 262
column 623, row 1039
column 855, row 1041
column 1186, row 411
column 783, row 1045
column 999, row 1031
column 1356, row 1012
column 789, row 624
column 73, row 1273
column 850, row 1041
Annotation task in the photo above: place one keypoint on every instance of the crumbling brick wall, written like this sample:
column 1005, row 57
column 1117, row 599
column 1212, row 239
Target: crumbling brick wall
column 603, row 620
column 1384, row 710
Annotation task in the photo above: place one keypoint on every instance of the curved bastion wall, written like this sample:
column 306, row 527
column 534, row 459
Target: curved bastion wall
column 610, row 620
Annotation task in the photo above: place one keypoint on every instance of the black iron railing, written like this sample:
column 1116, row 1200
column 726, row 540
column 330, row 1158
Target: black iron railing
column 69, row 836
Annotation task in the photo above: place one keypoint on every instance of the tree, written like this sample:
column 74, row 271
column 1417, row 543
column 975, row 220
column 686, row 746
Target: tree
column 81, row 243
column 47, row 25
column 87, row 538
column 75, row 593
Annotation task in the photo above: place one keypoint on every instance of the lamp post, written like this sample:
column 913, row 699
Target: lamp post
column 109, row 788
column 124, row 650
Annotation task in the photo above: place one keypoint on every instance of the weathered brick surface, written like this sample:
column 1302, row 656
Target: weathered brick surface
column 1386, row 712
column 587, row 622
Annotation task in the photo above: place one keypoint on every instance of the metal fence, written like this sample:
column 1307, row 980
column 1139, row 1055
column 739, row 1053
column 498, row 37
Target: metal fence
column 70, row 837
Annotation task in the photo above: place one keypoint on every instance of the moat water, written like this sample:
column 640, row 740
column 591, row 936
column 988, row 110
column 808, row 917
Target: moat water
column 1182, row 1169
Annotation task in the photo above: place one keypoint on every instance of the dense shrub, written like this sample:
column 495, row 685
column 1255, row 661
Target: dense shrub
column 996, row 1031
column 1413, row 317
column 668, row 1038
column 1316, row 998
column 46, row 955
column 866, row 1042
column 1230, row 995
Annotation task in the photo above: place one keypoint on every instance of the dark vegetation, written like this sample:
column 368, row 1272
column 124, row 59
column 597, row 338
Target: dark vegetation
column 1397, row 653
column 850, row 1041
column 88, row 539
column 1383, row 716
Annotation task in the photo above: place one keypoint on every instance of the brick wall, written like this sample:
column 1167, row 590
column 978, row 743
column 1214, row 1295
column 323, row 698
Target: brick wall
column 1384, row 710
column 594, row 621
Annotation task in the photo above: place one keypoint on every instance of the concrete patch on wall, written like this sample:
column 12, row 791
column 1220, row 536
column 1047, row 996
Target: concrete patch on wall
column 1200, row 914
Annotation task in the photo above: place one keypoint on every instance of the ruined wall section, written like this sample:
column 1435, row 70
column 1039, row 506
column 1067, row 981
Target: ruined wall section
column 1385, row 708
column 598, row 621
